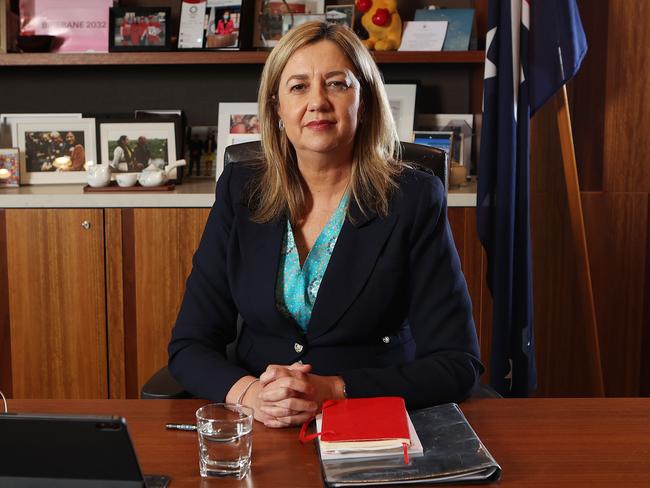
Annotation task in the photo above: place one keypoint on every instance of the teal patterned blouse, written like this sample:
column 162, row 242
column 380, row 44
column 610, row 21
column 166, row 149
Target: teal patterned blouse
column 296, row 288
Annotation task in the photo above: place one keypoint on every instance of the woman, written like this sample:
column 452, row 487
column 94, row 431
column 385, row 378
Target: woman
column 338, row 258
column 122, row 155
column 225, row 25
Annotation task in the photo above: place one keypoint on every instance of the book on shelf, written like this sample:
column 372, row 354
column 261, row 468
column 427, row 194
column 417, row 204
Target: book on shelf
column 452, row 453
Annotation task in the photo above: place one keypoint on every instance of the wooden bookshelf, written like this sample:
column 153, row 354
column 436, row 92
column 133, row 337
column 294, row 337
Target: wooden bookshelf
column 216, row 57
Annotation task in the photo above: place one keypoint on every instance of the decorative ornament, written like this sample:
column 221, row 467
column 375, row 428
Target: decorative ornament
column 383, row 23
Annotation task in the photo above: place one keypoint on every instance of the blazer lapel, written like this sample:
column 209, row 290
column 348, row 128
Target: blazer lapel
column 261, row 248
column 355, row 254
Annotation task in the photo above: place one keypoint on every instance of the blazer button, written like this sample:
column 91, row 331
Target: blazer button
column 298, row 347
column 386, row 339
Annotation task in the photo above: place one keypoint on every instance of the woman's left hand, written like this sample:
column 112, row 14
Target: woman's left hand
column 293, row 395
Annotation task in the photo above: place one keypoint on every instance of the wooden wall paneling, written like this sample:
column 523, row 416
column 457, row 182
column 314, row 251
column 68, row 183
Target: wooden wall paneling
column 165, row 240
column 588, row 96
column 617, row 236
column 5, row 325
column 463, row 226
column 560, row 334
column 130, row 303
column 57, row 303
column 115, row 303
column 627, row 111
column 475, row 267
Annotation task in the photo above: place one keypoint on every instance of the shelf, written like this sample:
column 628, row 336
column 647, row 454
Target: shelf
column 216, row 57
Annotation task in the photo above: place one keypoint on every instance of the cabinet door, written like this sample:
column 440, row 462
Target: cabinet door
column 55, row 332
column 149, row 256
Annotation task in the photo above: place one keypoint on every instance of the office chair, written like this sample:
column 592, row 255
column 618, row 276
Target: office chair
column 163, row 386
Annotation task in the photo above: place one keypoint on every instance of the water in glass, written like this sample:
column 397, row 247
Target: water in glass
column 225, row 440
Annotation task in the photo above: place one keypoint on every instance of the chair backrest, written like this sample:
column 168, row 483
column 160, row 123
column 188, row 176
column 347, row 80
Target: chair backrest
column 427, row 157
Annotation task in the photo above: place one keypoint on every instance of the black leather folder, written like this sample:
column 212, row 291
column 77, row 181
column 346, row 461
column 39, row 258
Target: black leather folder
column 453, row 453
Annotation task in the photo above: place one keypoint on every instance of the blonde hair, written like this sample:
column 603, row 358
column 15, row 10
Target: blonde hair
column 376, row 147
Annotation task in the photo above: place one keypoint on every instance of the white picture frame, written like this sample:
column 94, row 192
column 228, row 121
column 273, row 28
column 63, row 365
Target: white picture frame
column 402, row 103
column 231, row 131
column 110, row 133
column 38, row 155
column 10, row 120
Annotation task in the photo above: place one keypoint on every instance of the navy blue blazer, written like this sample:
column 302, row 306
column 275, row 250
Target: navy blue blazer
column 392, row 315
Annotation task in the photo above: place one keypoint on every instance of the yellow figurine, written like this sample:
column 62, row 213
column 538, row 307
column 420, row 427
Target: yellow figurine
column 383, row 23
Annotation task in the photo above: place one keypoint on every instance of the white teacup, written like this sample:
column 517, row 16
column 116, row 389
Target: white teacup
column 98, row 175
column 126, row 179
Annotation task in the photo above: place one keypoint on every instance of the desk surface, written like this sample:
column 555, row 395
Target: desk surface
column 538, row 442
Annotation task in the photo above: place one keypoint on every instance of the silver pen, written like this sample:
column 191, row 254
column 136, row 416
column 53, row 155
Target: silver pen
column 180, row 426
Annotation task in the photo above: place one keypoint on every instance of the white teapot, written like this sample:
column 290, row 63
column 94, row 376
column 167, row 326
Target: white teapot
column 98, row 174
column 152, row 175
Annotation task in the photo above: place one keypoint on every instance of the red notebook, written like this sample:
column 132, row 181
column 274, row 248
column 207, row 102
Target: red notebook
column 365, row 424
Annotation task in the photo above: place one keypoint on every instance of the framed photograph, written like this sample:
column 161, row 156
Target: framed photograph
column 462, row 127
column 55, row 150
column 223, row 18
column 201, row 151
column 238, row 122
column 340, row 14
column 402, row 104
column 10, row 121
column 9, row 167
column 131, row 146
column 289, row 21
column 441, row 139
column 139, row 29
column 268, row 24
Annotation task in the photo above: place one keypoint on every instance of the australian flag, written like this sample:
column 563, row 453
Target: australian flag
column 532, row 48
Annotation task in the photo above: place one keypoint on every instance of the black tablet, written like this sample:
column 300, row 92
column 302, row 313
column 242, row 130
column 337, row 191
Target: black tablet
column 67, row 451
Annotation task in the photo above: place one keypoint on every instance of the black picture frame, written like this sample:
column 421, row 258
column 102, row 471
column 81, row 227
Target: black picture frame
column 153, row 32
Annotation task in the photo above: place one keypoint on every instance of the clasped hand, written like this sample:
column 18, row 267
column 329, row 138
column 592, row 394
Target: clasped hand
column 290, row 395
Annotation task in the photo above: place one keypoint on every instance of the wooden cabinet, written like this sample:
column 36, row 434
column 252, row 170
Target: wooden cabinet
column 53, row 323
column 90, row 296
column 149, row 256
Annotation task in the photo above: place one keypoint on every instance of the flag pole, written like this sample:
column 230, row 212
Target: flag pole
column 579, row 237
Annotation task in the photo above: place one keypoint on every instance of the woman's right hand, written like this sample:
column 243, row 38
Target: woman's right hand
column 286, row 395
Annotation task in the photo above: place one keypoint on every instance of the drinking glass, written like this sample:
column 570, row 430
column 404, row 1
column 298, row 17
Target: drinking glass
column 225, row 433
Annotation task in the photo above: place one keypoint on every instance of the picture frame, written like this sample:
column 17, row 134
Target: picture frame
column 222, row 33
column 139, row 29
column 55, row 150
column 340, row 14
column 402, row 103
column 10, row 120
column 9, row 167
column 201, row 151
column 267, row 29
column 289, row 21
column 461, row 124
column 236, row 124
column 148, row 143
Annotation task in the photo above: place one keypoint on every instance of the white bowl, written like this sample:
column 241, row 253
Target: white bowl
column 126, row 179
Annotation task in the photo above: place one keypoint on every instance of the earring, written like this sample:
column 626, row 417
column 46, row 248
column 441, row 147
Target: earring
column 281, row 124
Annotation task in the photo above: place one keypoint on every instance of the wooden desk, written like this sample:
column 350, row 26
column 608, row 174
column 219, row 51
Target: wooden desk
column 538, row 442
